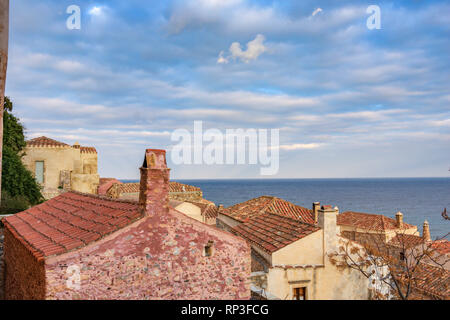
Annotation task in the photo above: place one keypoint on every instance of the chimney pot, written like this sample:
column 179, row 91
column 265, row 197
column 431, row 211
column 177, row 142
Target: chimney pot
column 399, row 219
column 426, row 231
column 315, row 208
column 154, row 185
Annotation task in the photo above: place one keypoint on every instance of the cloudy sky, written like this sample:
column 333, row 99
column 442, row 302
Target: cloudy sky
column 349, row 101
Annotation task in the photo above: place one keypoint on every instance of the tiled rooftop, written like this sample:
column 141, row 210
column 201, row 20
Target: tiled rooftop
column 442, row 246
column 133, row 187
column 105, row 184
column 209, row 210
column 369, row 221
column 180, row 187
column 266, row 204
column 70, row 221
column 88, row 150
column 45, row 142
column 432, row 280
column 272, row 232
column 406, row 241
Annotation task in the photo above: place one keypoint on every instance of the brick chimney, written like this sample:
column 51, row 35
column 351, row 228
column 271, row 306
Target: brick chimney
column 315, row 209
column 154, row 186
column 426, row 232
column 399, row 219
column 327, row 220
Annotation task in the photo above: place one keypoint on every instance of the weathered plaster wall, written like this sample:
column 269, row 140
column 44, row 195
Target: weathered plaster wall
column 226, row 223
column 187, row 196
column 321, row 282
column 87, row 183
column 24, row 280
column 156, row 258
column 190, row 210
column 55, row 160
column 84, row 177
column 308, row 250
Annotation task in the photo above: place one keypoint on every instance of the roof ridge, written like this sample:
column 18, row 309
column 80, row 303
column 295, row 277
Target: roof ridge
column 102, row 197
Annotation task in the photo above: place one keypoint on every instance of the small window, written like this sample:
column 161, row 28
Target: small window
column 402, row 256
column 39, row 171
column 300, row 293
column 209, row 249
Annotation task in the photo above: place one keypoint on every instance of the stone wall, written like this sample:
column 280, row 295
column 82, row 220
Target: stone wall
column 2, row 269
column 26, row 279
column 160, row 257
column 186, row 196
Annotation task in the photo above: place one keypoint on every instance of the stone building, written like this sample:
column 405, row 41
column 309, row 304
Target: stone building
column 242, row 212
column 204, row 211
column 83, row 246
column 184, row 198
column 358, row 226
column 177, row 191
column 59, row 167
column 290, row 257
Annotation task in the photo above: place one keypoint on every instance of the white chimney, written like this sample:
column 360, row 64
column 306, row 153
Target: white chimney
column 327, row 221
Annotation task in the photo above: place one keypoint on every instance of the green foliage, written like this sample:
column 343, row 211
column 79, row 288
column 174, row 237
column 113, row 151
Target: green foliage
column 19, row 188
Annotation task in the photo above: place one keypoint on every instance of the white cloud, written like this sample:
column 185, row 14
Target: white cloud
column 316, row 11
column 96, row 11
column 221, row 58
column 300, row 146
column 255, row 48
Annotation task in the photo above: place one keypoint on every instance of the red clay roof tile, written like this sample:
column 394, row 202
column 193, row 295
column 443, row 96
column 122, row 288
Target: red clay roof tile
column 70, row 221
column 246, row 210
column 369, row 221
column 272, row 232
column 45, row 142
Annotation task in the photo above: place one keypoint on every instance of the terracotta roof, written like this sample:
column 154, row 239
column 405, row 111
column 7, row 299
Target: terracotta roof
column 45, row 142
column 106, row 180
column 266, row 204
column 432, row 280
column 105, row 184
column 180, row 187
column 133, row 187
column 442, row 246
column 376, row 222
column 272, row 232
column 406, row 241
column 209, row 210
column 70, row 221
column 88, row 150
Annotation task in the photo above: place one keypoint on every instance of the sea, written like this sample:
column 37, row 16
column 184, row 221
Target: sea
column 419, row 199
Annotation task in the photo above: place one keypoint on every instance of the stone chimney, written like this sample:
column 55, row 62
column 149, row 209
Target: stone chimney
column 315, row 209
column 426, row 232
column 154, row 186
column 399, row 219
column 327, row 221
column 220, row 208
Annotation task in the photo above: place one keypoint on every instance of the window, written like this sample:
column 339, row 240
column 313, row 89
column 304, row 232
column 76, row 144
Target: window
column 300, row 293
column 39, row 171
column 402, row 256
column 208, row 252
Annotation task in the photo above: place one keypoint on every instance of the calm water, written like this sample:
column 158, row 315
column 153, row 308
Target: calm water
column 417, row 198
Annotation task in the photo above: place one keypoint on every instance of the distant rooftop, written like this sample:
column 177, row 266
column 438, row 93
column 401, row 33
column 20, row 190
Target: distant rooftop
column 42, row 142
column 272, row 232
column 369, row 221
column 267, row 204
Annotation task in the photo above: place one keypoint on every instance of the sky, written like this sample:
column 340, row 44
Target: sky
column 348, row 101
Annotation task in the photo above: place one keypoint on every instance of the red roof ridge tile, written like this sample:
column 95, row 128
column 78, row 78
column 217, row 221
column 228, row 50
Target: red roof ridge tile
column 44, row 141
column 102, row 197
